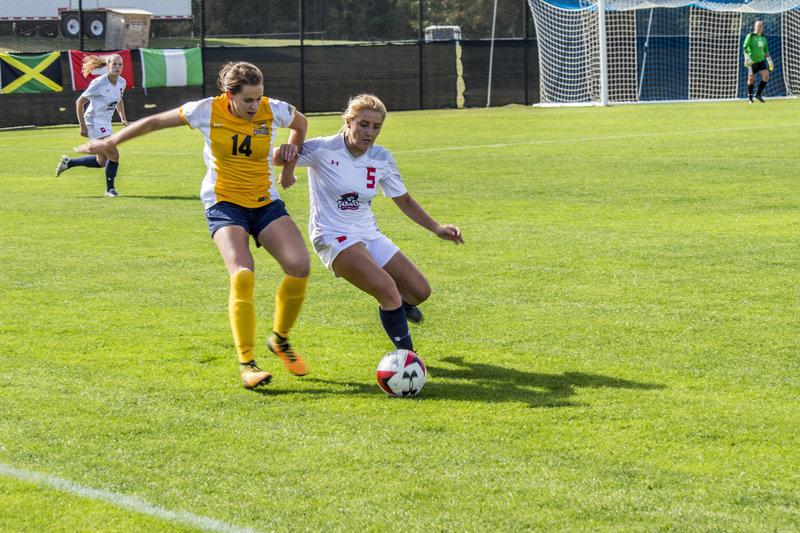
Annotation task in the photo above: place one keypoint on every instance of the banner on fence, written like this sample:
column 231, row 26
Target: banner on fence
column 80, row 82
column 174, row 67
column 30, row 73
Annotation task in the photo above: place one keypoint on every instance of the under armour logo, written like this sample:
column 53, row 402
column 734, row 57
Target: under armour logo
column 334, row 162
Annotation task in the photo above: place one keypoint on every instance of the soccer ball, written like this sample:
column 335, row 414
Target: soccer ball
column 401, row 373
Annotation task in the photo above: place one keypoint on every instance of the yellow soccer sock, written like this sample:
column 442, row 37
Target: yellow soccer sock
column 288, row 301
column 242, row 313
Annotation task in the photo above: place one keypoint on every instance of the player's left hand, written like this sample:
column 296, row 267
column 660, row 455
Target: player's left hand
column 95, row 147
column 449, row 232
column 287, row 178
column 771, row 65
column 124, row 122
column 289, row 152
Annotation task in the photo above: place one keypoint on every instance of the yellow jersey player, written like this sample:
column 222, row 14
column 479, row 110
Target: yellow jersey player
column 241, row 199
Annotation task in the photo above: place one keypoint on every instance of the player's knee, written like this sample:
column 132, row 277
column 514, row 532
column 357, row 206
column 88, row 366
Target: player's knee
column 419, row 293
column 298, row 266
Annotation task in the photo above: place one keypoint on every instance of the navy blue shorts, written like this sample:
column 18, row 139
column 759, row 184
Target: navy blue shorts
column 252, row 219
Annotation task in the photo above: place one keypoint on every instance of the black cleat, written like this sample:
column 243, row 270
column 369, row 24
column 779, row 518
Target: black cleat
column 413, row 314
column 759, row 98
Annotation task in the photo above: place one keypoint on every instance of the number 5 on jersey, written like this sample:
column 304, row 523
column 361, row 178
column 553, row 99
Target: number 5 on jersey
column 370, row 177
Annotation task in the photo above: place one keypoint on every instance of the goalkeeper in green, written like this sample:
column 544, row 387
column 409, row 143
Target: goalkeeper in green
column 757, row 59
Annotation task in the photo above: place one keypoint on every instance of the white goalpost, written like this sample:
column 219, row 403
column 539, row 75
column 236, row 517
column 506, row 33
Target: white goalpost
column 595, row 52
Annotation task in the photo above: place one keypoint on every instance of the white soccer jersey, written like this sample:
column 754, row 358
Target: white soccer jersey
column 237, row 151
column 341, row 188
column 103, row 97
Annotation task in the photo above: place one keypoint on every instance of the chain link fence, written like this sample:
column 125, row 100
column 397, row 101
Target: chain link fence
column 414, row 54
column 47, row 25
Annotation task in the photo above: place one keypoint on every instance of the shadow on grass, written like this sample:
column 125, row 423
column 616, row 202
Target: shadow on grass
column 480, row 382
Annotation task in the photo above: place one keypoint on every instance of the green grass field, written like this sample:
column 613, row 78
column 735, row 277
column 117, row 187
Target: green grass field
column 615, row 347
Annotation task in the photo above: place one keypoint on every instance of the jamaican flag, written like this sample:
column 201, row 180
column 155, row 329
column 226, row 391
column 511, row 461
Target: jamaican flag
column 30, row 74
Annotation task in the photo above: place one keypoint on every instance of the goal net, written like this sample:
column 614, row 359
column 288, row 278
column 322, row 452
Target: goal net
column 600, row 51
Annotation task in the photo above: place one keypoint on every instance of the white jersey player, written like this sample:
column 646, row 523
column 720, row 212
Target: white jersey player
column 342, row 188
column 345, row 172
column 103, row 96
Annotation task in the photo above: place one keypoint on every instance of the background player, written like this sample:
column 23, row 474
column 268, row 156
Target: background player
column 757, row 59
column 104, row 96
column 241, row 199
column 345, row 172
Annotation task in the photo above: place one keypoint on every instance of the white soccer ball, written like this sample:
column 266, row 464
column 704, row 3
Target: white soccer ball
column 401, row 373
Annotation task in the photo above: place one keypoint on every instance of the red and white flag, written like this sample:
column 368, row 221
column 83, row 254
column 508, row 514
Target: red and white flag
column 81, row 82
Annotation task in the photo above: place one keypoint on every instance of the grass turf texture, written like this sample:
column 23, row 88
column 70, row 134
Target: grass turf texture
column 615, row 347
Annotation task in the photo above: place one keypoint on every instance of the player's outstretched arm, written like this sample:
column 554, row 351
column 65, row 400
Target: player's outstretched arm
column 415, row 212
column 167, row 119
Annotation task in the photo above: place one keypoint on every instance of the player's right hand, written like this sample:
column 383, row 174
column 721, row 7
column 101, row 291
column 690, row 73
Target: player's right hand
column 84, row 131
column 748, row 62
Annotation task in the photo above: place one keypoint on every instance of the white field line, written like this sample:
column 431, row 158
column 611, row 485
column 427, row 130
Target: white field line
column 8, row 147
column 120, row 500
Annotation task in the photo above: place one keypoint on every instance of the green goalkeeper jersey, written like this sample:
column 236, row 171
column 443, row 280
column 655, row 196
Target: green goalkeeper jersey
column 756, row 46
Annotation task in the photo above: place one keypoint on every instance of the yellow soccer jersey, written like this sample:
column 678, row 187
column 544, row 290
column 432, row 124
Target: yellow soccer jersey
column 237, row 151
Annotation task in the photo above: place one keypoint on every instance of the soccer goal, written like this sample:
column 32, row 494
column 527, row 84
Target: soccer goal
column 614, row 51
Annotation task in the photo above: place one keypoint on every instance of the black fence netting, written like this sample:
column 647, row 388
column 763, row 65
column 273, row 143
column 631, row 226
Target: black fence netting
column 515, row 72
column 414, row 54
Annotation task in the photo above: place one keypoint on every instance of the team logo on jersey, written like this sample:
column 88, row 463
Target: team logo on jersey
column 348, row 201
column 261, row 130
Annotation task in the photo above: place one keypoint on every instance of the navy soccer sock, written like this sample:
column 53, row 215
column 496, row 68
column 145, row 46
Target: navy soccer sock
column 85, row 161
column 750, row 91
column 396, row 326
column 111, row 173
column 761, row 85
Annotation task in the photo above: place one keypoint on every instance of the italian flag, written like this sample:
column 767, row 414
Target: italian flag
column 176, row 67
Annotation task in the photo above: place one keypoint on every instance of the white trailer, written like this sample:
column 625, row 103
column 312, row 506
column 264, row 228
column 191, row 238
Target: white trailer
column 49, row 17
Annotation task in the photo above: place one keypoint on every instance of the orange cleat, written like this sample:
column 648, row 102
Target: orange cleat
column 292, row 360
column 252, row 376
